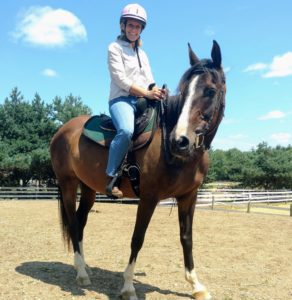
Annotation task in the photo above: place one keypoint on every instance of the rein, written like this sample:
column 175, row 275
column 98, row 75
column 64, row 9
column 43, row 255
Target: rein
column 162, row 106
column 167, row 155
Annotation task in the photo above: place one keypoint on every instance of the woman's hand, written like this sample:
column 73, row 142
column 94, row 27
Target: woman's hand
column 156, row 94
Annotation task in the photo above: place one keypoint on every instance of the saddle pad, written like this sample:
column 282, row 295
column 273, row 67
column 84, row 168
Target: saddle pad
column 94, row 131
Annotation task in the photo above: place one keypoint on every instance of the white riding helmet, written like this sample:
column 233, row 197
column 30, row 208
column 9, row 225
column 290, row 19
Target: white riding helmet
column 134, row 11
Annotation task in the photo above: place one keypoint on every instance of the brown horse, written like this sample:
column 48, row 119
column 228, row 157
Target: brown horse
column 173, row 165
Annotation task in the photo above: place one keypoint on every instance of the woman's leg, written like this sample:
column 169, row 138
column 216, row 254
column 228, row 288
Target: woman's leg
column 122, row 113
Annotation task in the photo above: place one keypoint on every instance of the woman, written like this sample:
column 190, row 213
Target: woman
column 130, row 78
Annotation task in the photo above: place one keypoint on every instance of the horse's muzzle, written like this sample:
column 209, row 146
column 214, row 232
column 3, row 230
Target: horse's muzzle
column 180, row 147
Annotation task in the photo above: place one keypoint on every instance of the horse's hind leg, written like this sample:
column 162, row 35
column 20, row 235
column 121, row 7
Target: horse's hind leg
column 186, row 208
column 144, row 214
column 86, row 202
column 71, row 225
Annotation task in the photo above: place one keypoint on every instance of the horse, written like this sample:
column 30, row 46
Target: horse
column 173, row 165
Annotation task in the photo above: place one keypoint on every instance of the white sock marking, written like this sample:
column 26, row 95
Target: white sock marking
column 128, row 277
column 192, row 278
column 80, row 265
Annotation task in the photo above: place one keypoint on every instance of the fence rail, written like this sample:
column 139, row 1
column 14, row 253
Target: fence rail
column 205, row 196
column 35, row 193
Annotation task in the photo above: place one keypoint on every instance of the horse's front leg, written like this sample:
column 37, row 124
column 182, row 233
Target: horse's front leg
column 143, row 217
column 186, row 208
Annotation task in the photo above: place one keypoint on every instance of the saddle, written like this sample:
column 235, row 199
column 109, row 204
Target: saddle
column 101, row 130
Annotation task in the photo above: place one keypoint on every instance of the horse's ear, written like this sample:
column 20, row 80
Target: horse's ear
column 193, row 57
column 216, row 55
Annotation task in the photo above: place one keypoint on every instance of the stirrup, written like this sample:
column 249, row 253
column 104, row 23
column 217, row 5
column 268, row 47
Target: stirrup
column 112, row 190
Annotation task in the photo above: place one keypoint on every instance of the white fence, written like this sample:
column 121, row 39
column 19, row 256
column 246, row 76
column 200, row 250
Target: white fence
column 212, row 197
column 206, row 197
column 233, row 196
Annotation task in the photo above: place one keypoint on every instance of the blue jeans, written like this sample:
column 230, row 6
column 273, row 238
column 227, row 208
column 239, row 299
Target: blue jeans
column 122, row 111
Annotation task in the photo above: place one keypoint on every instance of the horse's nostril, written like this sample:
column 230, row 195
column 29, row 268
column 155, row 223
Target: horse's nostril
column 183, row 142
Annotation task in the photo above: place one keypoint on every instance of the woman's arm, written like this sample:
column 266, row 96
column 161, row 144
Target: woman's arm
column 117, row 69
column 155, row 93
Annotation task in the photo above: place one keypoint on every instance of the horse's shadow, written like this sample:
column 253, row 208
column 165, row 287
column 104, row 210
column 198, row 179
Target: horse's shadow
column 102, row 281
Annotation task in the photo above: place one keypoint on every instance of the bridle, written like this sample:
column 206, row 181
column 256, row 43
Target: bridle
column 201, row 141
column 201, row 138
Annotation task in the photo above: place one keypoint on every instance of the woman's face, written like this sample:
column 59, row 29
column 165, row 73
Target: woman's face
column 132, row 29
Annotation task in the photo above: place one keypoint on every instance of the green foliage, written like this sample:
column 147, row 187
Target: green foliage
column 62, row 112
column 264, row 167
column 26, row 129
column 269, row 168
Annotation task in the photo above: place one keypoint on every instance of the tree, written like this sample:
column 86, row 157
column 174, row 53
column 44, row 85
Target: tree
column 26, row 129
column 72, row 107
column 217, row 170
column 269, row 168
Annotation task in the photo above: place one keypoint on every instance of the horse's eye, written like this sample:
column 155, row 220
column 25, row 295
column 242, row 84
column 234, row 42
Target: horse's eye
column 209, row 92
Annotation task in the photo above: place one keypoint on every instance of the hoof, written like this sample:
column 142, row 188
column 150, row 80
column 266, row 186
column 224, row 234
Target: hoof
column 129, row 295
column 202, row 295
column 83, row 281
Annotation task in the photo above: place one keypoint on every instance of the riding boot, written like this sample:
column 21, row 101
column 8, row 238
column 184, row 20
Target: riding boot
column 112, row 190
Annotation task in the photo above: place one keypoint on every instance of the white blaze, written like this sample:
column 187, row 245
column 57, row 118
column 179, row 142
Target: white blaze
column 183, row 121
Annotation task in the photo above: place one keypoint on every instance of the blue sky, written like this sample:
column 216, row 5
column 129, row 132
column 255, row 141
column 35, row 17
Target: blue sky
column 60, row 47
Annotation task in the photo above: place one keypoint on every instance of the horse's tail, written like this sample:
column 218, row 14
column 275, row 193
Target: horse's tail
column 64, row 221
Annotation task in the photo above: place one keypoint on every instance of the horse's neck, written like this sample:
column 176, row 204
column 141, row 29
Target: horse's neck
column 173, row 109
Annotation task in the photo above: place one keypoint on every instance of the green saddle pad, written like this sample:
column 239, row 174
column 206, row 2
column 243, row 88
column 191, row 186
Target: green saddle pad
column 94, row 129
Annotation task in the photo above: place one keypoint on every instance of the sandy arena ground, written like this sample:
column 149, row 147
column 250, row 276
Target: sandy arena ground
column 238, row 256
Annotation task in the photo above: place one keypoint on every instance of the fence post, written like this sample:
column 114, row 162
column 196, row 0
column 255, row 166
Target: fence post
column 249, row 203
column 290, row 210
column 213, row 201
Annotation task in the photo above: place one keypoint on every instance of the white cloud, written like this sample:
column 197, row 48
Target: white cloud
column 275, row 114
column 281, row 66
column 282, row 138
column 46, row 26
column 255, row 67
column 49, row 73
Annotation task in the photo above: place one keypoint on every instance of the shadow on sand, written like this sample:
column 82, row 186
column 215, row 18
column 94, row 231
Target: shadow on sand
column 103, row 281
